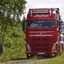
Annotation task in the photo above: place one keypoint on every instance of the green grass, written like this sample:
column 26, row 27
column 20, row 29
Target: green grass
column 55, row 60
column 18, row 52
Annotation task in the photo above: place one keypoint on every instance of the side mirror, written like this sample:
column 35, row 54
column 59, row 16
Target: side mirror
column 59, row 25
column 59, row 28
column 24, row 25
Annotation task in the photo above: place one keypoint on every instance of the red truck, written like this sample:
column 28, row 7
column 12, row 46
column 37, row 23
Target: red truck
column 42, row 28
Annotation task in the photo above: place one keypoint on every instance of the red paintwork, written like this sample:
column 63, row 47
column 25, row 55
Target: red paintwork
column 48, row 16
column 38, row 43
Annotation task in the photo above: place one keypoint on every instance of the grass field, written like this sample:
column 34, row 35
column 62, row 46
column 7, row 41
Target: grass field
column 55, row 60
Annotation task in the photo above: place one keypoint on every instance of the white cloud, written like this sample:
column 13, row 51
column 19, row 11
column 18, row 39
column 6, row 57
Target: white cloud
column 46, row 4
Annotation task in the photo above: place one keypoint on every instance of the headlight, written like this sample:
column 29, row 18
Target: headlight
column 28, row 47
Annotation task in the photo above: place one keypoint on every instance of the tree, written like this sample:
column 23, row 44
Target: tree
column 9, row 10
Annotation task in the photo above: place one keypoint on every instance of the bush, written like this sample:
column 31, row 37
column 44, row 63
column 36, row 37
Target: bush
column 14, row 45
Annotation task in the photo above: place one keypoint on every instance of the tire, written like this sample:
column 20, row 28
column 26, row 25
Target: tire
column 60, row 50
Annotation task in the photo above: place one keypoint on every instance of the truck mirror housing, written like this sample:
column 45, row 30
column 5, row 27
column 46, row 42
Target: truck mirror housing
column 24, row 25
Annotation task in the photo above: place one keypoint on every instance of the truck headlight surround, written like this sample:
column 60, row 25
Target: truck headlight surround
column 28, row 47
column 54, row 47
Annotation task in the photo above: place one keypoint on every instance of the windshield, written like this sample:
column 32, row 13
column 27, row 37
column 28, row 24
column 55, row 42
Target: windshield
column 41, row 24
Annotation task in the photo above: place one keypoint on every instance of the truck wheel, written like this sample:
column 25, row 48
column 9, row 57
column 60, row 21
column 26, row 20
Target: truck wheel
column 61, row 49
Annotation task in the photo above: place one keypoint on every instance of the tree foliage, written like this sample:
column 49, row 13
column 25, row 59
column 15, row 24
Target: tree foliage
column 14, row 45
column 10, row 11
column 14, row 7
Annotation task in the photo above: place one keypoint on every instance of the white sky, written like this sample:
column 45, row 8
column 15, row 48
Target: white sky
column 46, row 4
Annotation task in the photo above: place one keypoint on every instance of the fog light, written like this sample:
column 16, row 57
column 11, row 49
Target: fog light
column 29, row 55
column 52, row 54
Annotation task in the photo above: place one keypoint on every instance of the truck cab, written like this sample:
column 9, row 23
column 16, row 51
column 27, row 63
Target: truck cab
column 42, row 29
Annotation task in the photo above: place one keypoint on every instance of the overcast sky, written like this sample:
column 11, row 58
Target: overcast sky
column 46, row 4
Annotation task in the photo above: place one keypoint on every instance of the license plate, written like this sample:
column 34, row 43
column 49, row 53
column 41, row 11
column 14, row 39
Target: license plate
column 41, row 53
